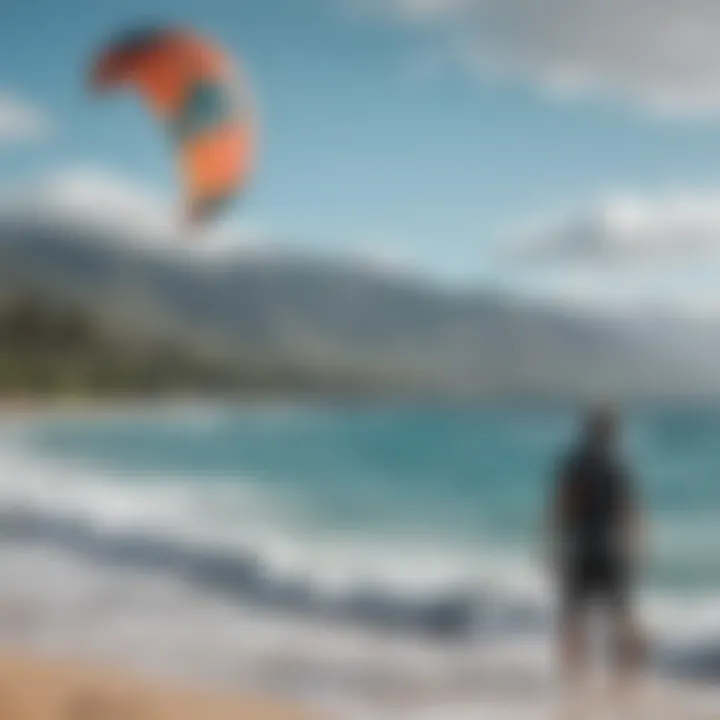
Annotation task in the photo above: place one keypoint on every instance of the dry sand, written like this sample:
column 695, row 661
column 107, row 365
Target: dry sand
column 32, row 689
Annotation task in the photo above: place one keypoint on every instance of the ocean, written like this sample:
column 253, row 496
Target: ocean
column 192, row 540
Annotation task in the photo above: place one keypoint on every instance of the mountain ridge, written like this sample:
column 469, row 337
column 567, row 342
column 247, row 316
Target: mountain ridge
column 335, row 317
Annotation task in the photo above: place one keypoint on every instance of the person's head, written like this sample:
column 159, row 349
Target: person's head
column 600, row 427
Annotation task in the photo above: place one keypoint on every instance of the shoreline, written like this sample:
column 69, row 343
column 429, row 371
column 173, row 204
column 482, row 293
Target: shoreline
column 69, row 591
column 35, row 686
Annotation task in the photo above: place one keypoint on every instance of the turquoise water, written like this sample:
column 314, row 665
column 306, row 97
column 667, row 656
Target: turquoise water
column 445, row 493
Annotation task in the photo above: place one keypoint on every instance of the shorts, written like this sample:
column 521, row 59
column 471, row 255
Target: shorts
column 596, row 578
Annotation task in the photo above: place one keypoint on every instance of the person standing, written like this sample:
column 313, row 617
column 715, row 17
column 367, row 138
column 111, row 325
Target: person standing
column 595, row 529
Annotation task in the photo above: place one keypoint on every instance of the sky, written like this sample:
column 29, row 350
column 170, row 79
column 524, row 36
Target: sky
column 559, row 146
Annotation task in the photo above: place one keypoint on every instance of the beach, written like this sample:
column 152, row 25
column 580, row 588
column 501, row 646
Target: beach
column 34, row 689
column 124, row 647
column 206, row 555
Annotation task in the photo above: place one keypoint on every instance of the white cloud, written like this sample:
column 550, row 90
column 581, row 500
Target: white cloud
column 629, row 229
column 96, row 199
column 389, row 255
column 94, row 193
column 625, row 253
column 19, row 121
column 663, row 54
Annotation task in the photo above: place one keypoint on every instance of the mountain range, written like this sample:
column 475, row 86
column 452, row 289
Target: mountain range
column 337, row 322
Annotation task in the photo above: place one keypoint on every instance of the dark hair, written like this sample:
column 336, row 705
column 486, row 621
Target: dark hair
column 600, row 426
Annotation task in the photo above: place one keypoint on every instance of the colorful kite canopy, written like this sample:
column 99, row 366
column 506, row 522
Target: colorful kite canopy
column 191, row 85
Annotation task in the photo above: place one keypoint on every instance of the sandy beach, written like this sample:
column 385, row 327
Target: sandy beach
column 33, row 689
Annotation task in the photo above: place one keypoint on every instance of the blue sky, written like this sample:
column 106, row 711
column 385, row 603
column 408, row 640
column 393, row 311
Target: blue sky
column 378, row 133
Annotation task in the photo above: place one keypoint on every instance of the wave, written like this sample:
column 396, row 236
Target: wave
column 159, row 526
column 167, row 529
column 246, row 578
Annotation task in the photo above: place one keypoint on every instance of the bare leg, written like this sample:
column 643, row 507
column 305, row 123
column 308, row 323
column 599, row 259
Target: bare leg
column 573, row 649
column 628, row 657
column 574, row 667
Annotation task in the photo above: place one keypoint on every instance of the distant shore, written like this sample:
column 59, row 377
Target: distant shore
column 71, row 407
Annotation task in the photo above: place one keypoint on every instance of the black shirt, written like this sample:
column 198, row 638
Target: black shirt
column 594, row 500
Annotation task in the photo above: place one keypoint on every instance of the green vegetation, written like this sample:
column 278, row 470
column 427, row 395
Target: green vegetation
column 50, row 350
column 66, row 351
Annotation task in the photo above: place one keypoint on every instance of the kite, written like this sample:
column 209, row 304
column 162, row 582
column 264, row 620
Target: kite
column 196, row 90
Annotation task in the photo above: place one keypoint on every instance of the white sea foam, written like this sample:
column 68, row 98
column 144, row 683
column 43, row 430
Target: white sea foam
column 237, row 514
